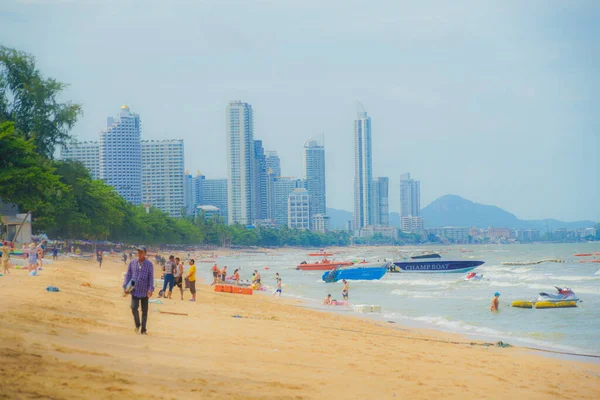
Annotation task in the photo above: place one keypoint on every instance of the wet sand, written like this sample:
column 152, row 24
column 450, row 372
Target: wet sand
column 80, row 343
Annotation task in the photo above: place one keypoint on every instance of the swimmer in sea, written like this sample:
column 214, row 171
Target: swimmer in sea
column 495, row 302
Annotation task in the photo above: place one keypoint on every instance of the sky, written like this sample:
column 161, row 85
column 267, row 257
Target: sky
column 495, row 101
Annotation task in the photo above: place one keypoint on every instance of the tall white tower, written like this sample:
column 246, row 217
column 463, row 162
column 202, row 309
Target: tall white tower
column 363, row 175
column 240, row 162
column 314, row 174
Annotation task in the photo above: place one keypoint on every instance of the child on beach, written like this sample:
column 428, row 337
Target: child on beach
column 278, row 288
column 5, row 257
column 327, row 300
column 32, row 257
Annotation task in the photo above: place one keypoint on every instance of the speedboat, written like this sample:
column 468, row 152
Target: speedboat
column 323, row 265
column 363, row 273
column 426, row 266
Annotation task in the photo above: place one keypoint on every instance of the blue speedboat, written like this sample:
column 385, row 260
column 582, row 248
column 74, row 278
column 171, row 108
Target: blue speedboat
column 431, row 266
column 362, row 273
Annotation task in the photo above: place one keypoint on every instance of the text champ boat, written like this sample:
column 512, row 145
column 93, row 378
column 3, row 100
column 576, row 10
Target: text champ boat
column 323, row 265
column 430, row 266
column 363, row 273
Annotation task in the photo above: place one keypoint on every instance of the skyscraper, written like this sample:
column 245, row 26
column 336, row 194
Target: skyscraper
column 120, row 163
column 162, row 175
column 273, row 172
column 189, row 194
column 86, row 153
column 380, row 203
column 410, row 196
column 299, row 209
column 363, row 175
column 260, row 181
column 214, row 193
column 282, row 187
column 410, row 205
column 240, row 162
column 314, row 174
column 273, row 163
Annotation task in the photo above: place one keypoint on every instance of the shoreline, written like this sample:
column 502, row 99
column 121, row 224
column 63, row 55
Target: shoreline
column 79, row 343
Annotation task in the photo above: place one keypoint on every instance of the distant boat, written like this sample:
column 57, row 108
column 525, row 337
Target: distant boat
column 434, row 266
column 422, row 256
column 321, row 253
column 363, row 273
column 582, row 255
column 323, row 265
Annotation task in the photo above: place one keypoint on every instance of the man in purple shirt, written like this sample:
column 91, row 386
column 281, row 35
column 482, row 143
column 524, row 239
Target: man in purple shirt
column 141, row 272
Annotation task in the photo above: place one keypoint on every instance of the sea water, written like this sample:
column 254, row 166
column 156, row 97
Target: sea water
column 445, row 301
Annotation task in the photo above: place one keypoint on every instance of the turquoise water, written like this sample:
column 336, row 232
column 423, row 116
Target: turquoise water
column 448, row 302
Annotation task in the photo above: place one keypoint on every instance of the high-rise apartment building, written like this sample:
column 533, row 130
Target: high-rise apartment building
column 410, row 196
column 320, row 223
column 282, row 188
column 260, row 182
column 299, row 209
column 163, row 175
column 214, row 193
column 363, row 175
column 410, row 205
column 86, row 153
column 120, row 155
column 314, row 174
column 273, row 172
column 240, row 162
column 380, row 202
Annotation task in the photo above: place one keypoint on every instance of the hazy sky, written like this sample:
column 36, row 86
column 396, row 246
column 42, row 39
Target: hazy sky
column 497, row 102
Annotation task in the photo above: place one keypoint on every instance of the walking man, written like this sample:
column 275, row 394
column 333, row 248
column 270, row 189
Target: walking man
column 141, row 272
column 191, row 277
column 169, row 278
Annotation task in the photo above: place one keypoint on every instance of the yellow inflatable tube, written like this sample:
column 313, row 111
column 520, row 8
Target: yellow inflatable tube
column 558, row 304
column 522, row 304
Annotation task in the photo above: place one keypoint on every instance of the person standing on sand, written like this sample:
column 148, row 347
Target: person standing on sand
column 99, row 257
column 215, row 272
column 5, row 257
column 345, row 289
column 191, row 277
column 236, row 277
column 40, row 254
column 140, row 271
column 178, row 275
column 224, row 274
column 495, row 302
column 278, row 287
column 169, row 278
column 32, row 257
column 54, row 253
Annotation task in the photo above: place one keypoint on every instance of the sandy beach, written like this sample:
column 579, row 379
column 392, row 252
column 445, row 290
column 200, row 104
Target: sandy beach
column 80, row 343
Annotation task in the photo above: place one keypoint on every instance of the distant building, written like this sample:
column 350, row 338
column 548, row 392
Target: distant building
column 380, row 202
column 410, row 196
column 452, row 233
column 240, row 162
column 586, row 232
column 499, row 233
column 411, row 224
column 213, row 192
column 209, row 212
column 363, row 175
column 314, row 174
column 299, row 209
column 385, row 231
column 87, row 153
column 260, row 182
column 528, row 235
column 273, row 171
column 320, row 223
column 120, row 155
column 163, row 175
column 282, row 188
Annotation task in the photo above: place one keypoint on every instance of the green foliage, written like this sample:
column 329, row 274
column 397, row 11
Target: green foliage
column 27, row 179
column 30, row 101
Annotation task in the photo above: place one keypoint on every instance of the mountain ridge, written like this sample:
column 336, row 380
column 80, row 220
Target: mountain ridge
column 453, row 210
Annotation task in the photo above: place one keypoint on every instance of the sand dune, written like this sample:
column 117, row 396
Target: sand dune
column 80, row 343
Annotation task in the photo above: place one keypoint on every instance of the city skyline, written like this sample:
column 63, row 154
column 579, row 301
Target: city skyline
column 504, row 116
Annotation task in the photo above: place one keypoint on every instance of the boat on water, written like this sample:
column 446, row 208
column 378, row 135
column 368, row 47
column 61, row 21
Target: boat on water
column 321, row 253
column 432, row 264
column 323, row 265
column 369, row 272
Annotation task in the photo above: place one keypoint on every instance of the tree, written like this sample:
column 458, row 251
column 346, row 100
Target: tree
column 30, row 101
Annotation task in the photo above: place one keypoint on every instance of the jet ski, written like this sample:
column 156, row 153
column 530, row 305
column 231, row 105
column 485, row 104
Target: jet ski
column 472, row 276
column 564, row 294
